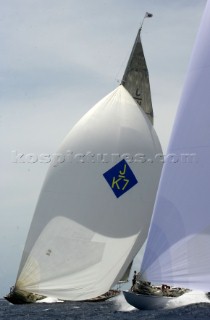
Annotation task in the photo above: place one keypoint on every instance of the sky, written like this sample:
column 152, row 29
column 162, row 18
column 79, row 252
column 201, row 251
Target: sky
column 57, row 59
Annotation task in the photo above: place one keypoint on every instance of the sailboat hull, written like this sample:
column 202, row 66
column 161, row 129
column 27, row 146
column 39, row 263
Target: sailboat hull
column 22, row 297
column 147, row 302
column 108, row 295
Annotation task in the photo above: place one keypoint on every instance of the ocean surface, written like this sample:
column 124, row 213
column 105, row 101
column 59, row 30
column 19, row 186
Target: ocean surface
column 116, row 308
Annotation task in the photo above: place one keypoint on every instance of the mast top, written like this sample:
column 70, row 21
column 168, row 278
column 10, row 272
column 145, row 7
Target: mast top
column 147, row 15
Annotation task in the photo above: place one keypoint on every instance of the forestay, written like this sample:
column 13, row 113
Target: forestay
column 177, row 251
column 94, row 209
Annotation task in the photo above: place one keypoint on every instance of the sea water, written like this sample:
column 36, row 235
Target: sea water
column 190, row 306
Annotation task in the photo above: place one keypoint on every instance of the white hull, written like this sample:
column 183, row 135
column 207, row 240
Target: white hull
column 146, row 302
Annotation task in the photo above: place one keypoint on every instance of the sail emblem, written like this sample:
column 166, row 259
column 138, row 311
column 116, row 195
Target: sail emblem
column 120, row 178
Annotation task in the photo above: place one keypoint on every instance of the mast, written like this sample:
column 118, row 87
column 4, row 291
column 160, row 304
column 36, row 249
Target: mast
column 136, row 76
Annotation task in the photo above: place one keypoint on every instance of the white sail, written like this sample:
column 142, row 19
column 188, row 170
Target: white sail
column 177, row 250
column 94, row 209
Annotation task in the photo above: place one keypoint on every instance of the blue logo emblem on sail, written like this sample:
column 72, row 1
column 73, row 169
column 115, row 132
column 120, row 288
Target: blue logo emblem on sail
column 120, row 178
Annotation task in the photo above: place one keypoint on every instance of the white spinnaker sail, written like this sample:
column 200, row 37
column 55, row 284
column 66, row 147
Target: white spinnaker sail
column 178, row 247
column 83, row 236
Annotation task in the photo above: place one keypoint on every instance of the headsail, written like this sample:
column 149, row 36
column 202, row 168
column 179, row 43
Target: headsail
column 177, row 250
column 136, row 78
column 94, row 209
column 125, row 277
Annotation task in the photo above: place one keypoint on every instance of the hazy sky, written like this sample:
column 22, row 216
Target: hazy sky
column 58, row 58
